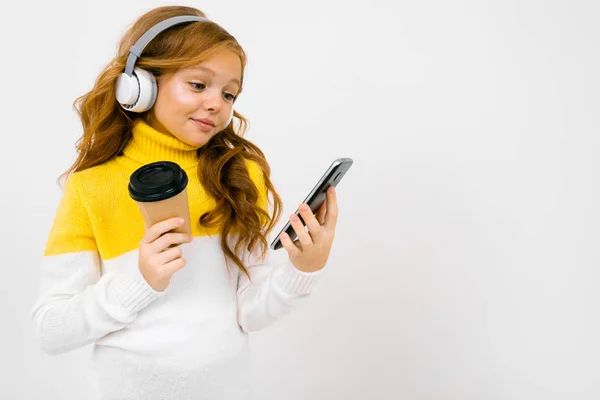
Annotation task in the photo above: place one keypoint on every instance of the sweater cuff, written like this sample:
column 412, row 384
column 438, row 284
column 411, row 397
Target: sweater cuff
column 293, row 281
column 130, row 290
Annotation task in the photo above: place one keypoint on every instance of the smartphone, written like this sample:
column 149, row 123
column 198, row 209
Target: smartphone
column 317, row 196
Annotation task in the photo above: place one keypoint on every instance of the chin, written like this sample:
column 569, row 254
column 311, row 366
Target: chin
column 198, row 140
column 196, row 143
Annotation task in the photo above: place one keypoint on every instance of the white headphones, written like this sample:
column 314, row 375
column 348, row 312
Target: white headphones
column 136, row 88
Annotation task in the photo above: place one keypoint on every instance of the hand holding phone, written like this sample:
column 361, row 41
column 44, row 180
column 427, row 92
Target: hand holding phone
column 295, row 227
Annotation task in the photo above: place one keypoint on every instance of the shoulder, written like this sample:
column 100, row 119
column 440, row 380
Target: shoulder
column 98, row 172
column 254, row 170
column 257, row 175
column 102, row 178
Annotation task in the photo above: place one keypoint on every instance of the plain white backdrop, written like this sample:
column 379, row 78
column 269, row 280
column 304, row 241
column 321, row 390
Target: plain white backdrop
column 465, row 264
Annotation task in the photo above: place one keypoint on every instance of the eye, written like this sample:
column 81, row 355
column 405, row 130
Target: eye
column 197, row 86
column 229, row 96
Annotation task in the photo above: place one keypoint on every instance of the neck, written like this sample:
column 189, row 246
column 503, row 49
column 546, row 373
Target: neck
column 149, row 145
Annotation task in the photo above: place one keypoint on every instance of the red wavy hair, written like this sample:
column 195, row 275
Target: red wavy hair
column 222, row 171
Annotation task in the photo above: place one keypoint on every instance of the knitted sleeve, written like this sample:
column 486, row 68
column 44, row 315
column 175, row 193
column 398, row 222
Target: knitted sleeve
column 275, row 288
column 77, row 304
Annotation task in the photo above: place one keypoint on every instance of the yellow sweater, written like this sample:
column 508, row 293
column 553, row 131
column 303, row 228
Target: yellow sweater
column 187, row 342
column 97, row 212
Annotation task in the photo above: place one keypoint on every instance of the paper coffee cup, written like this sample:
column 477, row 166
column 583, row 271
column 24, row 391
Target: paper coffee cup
column 159, row 189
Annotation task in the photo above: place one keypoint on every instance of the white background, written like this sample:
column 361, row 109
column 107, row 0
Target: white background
column 465, row 264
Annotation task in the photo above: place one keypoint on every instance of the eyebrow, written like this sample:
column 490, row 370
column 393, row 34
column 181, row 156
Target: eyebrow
column 210, row 71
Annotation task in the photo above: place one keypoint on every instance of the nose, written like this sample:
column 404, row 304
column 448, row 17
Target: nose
column 213, row 101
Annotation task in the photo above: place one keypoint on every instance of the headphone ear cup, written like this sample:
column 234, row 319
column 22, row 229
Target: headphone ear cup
column 138, row 99
column 127, row 89
column 230, row 118
column 148, row 91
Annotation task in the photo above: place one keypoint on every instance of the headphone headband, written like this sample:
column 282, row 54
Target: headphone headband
column 136, row 50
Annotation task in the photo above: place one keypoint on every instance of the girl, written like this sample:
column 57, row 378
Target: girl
column 168, row 318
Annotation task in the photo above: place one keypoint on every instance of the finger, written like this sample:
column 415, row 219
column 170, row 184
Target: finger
column 303, row 236
column 321, row 213
column 160, row 228
column 332, row 209
column 286, row 242
column 169, row 255
column 309, row 219
column 169, row 239
column 174, row 266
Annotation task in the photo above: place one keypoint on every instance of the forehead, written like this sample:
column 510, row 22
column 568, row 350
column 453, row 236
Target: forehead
column 225, row 64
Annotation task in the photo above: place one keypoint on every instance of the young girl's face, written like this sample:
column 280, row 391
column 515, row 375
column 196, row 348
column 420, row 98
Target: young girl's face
column 191, row 95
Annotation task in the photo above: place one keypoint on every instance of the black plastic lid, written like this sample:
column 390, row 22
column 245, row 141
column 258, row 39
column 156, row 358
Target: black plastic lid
column 157, row 181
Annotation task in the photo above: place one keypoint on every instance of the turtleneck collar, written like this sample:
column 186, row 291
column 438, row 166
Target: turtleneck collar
column 149, row 145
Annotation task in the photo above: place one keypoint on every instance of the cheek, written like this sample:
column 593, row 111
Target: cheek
column 181, row 97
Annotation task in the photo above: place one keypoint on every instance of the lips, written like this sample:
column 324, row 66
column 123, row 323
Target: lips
column 205, row 121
